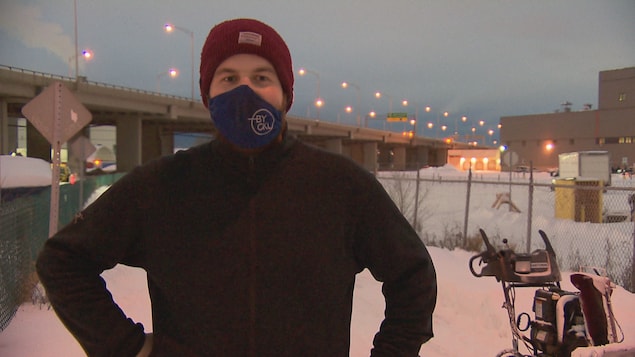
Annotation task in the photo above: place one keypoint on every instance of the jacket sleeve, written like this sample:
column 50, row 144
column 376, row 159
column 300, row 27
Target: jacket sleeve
column 70, row 266
column 393, row 252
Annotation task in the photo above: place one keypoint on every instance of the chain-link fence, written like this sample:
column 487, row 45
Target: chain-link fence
column 24, row 227
column 588, row 225
column 22, row 232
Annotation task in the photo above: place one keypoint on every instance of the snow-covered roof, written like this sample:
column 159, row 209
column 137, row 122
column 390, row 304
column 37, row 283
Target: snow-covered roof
column 19, row 171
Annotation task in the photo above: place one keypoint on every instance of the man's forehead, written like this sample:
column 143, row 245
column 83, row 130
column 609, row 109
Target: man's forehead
column 245, row 62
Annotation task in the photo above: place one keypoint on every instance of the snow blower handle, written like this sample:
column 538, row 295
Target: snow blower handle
column 481, row 257
column 485, row 257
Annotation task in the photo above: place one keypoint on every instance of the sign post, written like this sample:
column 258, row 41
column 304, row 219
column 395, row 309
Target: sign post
column 512, row 158
column 83, row 148
column 57, row 115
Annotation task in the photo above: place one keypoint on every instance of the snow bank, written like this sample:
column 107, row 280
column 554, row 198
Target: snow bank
column 18, row 171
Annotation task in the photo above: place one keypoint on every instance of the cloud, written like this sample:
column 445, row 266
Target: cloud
column 25, row 23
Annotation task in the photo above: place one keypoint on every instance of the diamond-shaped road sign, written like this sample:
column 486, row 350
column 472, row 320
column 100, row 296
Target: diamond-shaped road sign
column 56, row 113
column 58, row 116
column 81, row 147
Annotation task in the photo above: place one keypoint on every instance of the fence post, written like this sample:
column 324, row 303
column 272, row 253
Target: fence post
column 414, row 219
column 467, row 205
column 530, row 205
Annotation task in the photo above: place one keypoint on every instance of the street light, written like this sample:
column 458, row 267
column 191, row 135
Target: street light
column 414, row 121
column 172, row 73
column 372, row 114
column 169, row 28
column 346, row 85
column 456, row 124
column 430, row 126
column 445, row 115
column 378, row 95
column 318, row 101
column 86, row 54
column 348, row 110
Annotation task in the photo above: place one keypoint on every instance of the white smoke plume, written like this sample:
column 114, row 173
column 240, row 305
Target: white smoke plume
column 25, row 23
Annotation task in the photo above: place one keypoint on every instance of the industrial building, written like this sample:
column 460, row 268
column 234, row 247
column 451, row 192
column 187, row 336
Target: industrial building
column 537, row 140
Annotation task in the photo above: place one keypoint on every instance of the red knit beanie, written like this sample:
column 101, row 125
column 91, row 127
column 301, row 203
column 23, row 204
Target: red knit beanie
column 245, row 36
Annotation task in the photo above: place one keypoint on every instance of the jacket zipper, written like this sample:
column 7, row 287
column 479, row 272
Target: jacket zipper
column 253, row 263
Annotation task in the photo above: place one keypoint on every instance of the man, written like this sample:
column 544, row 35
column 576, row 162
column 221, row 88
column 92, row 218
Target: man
column 251, row 242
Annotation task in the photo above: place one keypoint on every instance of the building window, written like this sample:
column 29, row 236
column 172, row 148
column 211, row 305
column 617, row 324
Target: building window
column 571, row 141
column 601, row 141
column 621, row 97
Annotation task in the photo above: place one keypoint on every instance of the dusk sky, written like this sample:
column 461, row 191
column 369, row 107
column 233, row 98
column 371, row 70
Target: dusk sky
column 480, row 59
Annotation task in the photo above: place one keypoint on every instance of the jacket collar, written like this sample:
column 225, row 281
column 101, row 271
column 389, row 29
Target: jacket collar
column 254, row 163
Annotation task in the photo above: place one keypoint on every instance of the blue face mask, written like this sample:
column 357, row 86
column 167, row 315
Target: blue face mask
column 244, row 118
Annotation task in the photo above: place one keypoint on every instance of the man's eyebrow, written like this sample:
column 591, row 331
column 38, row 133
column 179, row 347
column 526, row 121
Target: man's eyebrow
column 224, row 70
column 229, row 70
column 265, row 69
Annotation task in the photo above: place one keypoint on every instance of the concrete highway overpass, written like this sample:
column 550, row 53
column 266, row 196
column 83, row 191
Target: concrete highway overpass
column 146, row 122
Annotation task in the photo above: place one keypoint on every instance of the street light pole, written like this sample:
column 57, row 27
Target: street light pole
column 87, row 54
column 445, row 115
column 172, row 73
column 345, row 85
column 380, row 94
column 318, row 100
column 456, row 126
column 169, row 28
column 76, row 45
column 415, row 122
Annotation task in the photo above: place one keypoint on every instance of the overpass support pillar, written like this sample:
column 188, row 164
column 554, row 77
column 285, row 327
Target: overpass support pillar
column 167, row 143
column 421, row 157
column 399, row 158
column 4, row 128
column 370, row 156
column 36, row 144
column 128, row 149
column 334, row 145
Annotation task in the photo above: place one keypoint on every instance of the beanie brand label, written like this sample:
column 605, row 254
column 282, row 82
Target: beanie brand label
column 250, row 38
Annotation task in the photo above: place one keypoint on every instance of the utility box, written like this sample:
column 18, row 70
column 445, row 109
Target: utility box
column 579, row 200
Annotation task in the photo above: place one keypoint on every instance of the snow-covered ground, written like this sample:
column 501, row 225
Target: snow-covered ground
column 468, row 321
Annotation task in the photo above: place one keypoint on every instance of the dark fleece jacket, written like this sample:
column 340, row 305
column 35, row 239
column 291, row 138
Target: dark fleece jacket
column 245, row 256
